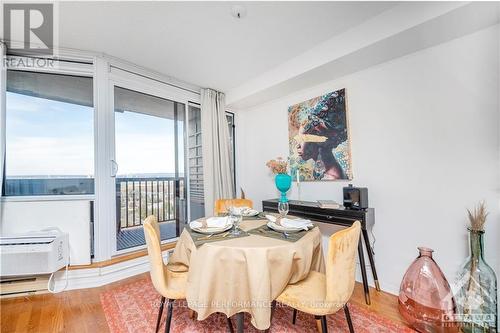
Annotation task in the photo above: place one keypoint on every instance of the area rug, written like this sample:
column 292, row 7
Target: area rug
column 133, row 307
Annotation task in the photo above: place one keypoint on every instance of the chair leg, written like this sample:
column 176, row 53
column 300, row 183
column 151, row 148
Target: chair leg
column 294, row 316
column 170, row 309
column 240, row 317
column 348, row 317
column 324, row 326
column 321, row 324
column 230, row 325
column 192, row 314
column 160, row 312
column 273, row 309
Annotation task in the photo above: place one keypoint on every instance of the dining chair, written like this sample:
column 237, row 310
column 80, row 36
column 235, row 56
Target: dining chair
column 170, row 285
column 323, row 294
column 220, row 204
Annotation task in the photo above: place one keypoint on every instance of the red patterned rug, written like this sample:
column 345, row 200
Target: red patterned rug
column 133, row 308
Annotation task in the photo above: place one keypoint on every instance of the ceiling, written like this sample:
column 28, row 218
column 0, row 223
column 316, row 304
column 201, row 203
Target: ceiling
column 202, row 43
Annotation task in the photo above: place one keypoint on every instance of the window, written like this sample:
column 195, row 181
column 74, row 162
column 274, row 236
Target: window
column 149, row 145
column 195, row 164
column 195, row 159
column 49, row 134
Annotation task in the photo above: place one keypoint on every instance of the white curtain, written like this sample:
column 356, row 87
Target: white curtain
column 216, row 147
column 3, row 85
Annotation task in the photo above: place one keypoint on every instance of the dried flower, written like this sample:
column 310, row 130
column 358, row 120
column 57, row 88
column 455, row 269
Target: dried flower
column 477, row 217
column 278, row 165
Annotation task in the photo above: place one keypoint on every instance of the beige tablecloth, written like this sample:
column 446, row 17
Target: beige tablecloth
column 244, row 274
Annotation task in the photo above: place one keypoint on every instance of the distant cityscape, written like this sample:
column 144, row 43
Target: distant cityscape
column 25, row 185
column 128, row 175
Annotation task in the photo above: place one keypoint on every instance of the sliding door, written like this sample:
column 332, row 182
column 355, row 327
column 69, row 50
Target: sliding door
column 149, row 173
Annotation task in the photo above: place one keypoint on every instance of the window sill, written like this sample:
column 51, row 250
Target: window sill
column 36, row 198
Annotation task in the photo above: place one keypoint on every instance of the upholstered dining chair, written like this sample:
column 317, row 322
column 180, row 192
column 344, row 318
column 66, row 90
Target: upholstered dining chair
column 170, row 285
column 220, row 204
column 323, row 294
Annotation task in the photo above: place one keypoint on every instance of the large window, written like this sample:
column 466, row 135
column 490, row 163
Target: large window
column 195, row 159
column 195, row 164
column 149, row 145
column 49, row 134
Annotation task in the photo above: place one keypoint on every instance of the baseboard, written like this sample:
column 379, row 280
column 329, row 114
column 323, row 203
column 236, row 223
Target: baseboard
column 12, row 287
column 99, row 276
column 386, row 287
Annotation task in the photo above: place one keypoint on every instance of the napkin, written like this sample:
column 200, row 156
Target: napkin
column 242, row 210
column 297, row 223
column 211, row 222
column 291, row 223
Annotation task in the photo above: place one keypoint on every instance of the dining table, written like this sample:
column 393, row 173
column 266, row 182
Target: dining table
column 246, row 273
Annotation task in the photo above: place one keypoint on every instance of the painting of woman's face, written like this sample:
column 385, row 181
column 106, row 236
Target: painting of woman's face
column 307, row 150
column 318, row 138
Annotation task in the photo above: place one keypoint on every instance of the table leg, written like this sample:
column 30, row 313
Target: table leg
column 361, row 256
column 370, row 257
column 229, row 325
column 240, row 317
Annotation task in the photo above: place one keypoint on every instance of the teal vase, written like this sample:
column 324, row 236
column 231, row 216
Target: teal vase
column 283, row 183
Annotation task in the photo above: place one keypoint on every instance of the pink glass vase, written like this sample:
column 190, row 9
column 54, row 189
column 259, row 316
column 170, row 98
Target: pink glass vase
column 425, row 298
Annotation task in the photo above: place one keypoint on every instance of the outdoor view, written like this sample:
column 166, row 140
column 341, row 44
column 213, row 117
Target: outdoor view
column 149, row 149
column 49, row 135
column 50, row 150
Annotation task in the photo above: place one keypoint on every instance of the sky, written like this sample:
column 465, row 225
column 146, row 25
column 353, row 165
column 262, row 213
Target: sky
column 48, row 138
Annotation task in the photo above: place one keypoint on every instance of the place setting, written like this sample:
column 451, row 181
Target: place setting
column 285, row 228
column 225, row 226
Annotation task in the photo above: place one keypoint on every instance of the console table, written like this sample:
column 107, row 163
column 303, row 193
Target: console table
column 343, row 217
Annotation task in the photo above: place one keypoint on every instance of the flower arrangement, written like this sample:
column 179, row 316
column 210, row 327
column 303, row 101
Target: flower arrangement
column 477, row 217
column 278, row 165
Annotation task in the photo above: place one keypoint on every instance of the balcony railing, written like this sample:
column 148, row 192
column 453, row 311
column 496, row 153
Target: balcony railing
column 138, row 198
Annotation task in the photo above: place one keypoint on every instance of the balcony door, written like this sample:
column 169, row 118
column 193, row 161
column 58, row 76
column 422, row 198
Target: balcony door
column 149, row 170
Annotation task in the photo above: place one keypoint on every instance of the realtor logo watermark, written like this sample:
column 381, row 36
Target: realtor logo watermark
column 30, row 29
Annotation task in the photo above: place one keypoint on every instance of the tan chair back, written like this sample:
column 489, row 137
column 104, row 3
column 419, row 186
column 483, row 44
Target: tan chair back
column 157, row 267
column 220, row 204
column 341, row 264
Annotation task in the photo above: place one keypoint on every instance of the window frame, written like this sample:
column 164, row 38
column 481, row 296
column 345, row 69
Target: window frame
column 4, row 175
column 102, row 69
column 83, row 66
column 118, row 77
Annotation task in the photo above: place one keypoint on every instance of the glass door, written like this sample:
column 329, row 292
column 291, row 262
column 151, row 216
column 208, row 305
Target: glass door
column 149, row 165
column 195, row 164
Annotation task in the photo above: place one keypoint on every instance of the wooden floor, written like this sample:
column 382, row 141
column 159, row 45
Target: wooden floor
column 80, row 310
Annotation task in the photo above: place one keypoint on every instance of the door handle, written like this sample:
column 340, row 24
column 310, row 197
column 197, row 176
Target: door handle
column 114, row 168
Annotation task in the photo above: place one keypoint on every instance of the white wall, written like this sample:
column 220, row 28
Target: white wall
column 71, row 216
column 424, row 135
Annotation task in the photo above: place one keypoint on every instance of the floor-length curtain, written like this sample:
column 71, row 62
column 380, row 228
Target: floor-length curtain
column 3, row 87
column 216, row 147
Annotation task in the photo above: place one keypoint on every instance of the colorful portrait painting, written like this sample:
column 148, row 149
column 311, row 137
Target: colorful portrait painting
column 319, row 138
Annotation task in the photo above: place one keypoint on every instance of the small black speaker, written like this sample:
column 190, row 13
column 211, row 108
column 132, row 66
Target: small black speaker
column 355, row 197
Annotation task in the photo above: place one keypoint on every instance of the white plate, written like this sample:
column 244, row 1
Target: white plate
column 281, row 228
column 251, row 212
column 212, row 230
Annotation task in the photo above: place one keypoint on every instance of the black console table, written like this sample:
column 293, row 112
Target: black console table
column 344, row 217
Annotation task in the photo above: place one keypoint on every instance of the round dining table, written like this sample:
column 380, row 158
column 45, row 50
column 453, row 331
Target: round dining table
column 245, row 274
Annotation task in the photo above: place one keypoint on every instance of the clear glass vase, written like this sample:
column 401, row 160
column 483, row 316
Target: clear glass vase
column 476, row 294
column 425, row 298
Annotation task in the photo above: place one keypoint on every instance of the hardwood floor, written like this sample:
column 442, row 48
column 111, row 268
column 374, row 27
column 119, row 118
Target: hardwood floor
column 81, row 311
